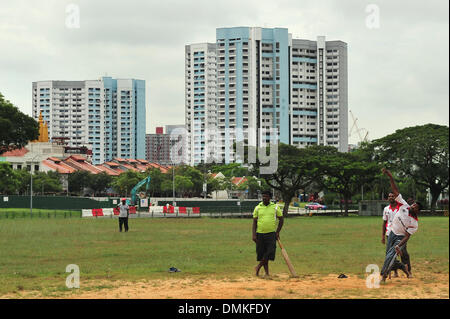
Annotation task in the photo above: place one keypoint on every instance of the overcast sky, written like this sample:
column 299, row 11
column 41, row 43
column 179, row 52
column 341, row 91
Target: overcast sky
column 397, row 50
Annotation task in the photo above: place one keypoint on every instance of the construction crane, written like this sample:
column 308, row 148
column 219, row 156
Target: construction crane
column 358, row 130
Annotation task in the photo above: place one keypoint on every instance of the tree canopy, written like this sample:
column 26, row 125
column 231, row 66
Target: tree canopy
column 46, row 182
column 125, row 182
column 297, row 169
column 16, row 128
column 100, row 182
column 9, row 181
column 419, row 152
column 78, row 181
column 346, row 173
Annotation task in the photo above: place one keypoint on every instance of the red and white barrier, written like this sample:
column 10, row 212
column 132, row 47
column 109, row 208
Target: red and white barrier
column 104, row 212
column 171, row 211
column 162, row 211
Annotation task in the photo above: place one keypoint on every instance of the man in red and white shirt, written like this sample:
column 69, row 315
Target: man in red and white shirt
column 404, row 224
column 388, row 214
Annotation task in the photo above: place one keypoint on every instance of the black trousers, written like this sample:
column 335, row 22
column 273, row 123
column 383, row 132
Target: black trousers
column 123, row 221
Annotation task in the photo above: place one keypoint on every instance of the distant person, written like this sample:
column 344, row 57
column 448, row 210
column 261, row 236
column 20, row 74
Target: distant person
column 124, row 212
column 404, row 224
column 265, row 231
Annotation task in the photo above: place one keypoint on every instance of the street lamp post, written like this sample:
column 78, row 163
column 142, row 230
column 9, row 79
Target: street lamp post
column 204, row 183
column 31, row 191
column 31, row 184
column 205, row 188
column 173, row 184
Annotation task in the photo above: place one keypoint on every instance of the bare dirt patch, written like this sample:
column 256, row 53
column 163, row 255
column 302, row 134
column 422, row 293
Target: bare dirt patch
column 435, row 286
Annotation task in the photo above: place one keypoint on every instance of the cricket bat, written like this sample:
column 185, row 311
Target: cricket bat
column 286, row 259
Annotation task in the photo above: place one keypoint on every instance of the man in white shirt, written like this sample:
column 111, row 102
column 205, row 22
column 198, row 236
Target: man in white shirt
column 404, row 224
column 124, row 211
column 388, row 214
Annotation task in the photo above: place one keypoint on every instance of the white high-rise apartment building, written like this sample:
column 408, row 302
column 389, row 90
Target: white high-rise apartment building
column 106, row 115
column 319, row 94
column 253, row 86
column 200, row 98
column 265, row 80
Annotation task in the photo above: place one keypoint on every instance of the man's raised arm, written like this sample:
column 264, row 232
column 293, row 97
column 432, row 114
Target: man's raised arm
column 391, row 179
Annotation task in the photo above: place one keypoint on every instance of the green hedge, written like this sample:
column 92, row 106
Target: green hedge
column 53, row 202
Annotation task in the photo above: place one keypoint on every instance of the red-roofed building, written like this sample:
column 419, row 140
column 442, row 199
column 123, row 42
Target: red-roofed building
column 79, row 162
column 80, row 158
column 112, row 164
column 31, row 156
column 141, row 167
column 107, row 170
column 217, row 175
column 163, row 169
column 123, row 164
column 19, row 152
column 142, row 161
column 238, row 180
column 54, row 159
column 137, row 164
column 58, row 166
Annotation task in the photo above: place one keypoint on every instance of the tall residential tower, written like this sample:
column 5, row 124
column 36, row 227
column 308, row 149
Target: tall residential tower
column 267, row 85
column 200, row 107
column 253, row 86
column 107, row 115
column 319, row 105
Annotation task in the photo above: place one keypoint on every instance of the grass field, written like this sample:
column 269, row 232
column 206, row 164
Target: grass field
column 35, row 252
column 12, row 213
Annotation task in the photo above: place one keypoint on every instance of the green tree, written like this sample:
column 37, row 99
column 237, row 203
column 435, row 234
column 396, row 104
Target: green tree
column 346, row 173
column 167, row 187
column 419, row 152
column 9, row 181
column 24, row 180
column 126, row 181
column 378, row 189
column 243, row 186
column 297, row 168
column 195, row 176
column 46, row 182
column 78, row 181
column 157, row 177
column 100, row 182
column 228, row 185
column 410, row 188
column 183, row 184
column 213, row 184
column 253, row 185
column 16, row 128
column 230, row 170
